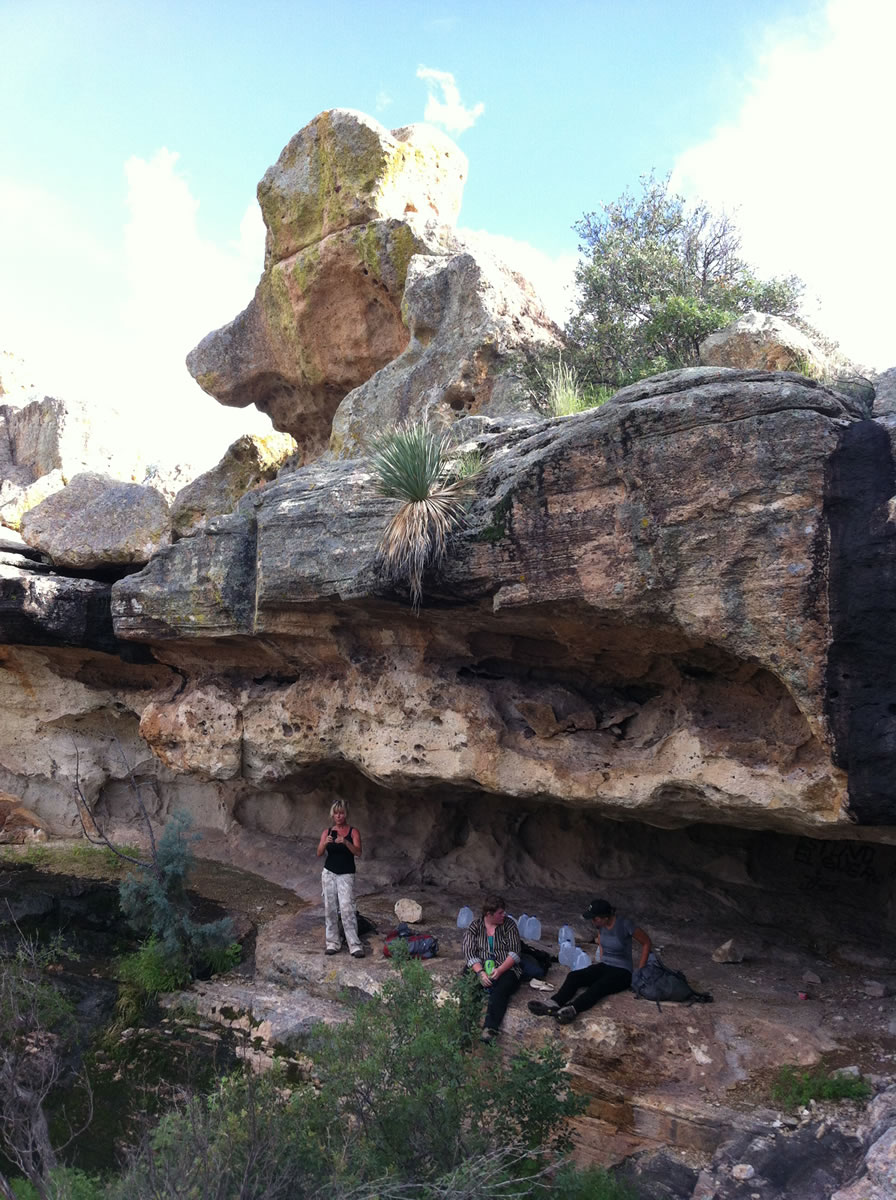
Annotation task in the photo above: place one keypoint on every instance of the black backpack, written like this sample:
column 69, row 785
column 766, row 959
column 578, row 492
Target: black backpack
column 534, row 961
column 656, row 981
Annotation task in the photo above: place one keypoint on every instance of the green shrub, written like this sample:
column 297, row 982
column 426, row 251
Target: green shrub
column 656, row 276
column 793, row 1088
column 592, row 1183
column 223, row 958
column 412, row 464
column 150, row 971
column 405, row 1071
column 64, row 1183
column 405, row 1103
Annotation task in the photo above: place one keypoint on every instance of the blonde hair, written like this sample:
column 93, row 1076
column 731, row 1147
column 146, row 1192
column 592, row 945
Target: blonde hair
column 338, row 806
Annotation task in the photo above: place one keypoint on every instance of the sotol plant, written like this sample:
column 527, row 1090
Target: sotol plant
column 412, row 464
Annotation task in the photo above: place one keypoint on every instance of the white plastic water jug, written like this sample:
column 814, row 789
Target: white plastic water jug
column 464, row 917
column 521, row 923
column 533, row 929
column 566, row 934
column 567, row 955
column 581, row 960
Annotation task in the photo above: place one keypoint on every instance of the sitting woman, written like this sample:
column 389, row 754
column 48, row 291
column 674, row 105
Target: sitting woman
column 613, row 973
column 492, row 950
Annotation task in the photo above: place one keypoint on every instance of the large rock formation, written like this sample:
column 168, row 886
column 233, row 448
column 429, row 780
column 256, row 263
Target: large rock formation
column 659, row 655
column 648, row 613
column 349, row 208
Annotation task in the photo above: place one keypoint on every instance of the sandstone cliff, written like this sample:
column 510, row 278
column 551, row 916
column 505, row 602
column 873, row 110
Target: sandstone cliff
column 673, row 609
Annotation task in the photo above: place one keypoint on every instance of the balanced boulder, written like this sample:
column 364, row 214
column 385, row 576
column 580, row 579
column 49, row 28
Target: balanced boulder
column 99, row 522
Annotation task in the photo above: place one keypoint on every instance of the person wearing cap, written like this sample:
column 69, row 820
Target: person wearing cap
column 613, row 972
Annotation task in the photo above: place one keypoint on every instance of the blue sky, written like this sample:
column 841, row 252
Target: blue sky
column 133, row 136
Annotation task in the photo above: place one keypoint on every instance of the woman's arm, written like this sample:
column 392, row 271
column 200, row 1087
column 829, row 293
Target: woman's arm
column 472, row 953
column 640, row 936
column 322, row 844
column 513, row 950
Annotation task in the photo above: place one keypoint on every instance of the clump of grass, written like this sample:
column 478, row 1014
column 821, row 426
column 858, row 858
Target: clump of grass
column 589, row 1183
column 560, row 391
column 467, row 465
column 793, row 1088
column 412, row 464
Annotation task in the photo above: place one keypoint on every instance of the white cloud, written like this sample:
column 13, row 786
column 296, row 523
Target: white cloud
column 111, row 322
column 550, row 276
column 449, row 111
column 808, row 166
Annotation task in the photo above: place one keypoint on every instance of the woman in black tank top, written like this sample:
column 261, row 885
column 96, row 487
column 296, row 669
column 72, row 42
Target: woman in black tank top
column 342, row 845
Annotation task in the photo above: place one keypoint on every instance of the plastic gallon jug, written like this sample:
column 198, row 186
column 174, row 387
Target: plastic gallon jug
column 566, row 935
column 581, row 960
column 464, row 917
column 533, row 929
column 567, row 954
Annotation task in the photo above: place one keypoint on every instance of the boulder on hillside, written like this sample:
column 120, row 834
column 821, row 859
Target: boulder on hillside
column 252, row 459
column 470, row 318
column 345, row 169
column 762, row 342
column 347, row 207
column 99, row 522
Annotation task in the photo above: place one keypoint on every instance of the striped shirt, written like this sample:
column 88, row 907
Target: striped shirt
column 506, row 944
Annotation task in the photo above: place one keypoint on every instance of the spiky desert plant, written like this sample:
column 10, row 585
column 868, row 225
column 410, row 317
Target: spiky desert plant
column 411, row 464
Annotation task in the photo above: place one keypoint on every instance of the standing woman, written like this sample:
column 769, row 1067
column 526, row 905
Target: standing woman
column 492, row 951
column 613, row 973
column 342, row 845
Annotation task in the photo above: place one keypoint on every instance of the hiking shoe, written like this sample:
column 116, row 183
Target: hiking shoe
column 332, row 950
column 488, row 1035
column 566, row 1014
column 359, row 953
column 541, row 1009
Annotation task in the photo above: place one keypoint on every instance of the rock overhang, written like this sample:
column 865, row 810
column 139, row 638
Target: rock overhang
column 667, row 554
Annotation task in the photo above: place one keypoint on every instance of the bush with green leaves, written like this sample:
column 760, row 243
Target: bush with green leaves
column 402, row 1071
column 655, row 278
column 63, row 1183
column 403, row 1101
column 414, row 465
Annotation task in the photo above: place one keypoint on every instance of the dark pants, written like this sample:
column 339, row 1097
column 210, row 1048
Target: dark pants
column 599, row 980
column 498, row 998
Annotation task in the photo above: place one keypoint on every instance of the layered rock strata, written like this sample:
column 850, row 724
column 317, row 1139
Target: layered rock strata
column 644, row 616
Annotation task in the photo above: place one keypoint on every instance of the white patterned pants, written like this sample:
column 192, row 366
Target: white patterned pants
column 339, row 901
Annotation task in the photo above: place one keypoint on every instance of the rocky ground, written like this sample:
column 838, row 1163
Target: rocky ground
column 682, row 1094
